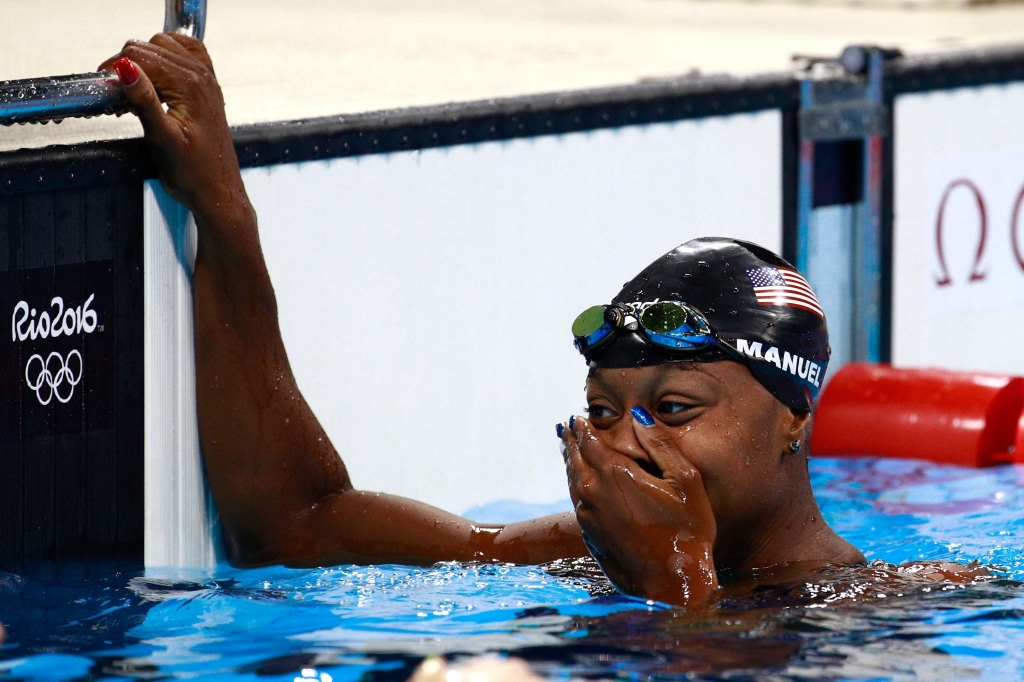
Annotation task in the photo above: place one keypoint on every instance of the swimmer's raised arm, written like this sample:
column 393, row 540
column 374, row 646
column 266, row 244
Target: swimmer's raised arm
column 281, row 489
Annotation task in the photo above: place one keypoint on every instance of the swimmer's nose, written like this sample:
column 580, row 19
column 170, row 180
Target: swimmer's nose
column 624, row 440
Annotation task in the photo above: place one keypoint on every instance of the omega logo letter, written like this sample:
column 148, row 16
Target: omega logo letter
column 944, row 280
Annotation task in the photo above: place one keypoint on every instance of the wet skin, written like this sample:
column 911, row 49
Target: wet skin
column 710, row 486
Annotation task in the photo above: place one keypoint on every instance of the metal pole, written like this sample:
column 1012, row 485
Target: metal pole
column 185, row 16
column 835, row 106
column 54, row 98
column 805, row 187
column 867, row 272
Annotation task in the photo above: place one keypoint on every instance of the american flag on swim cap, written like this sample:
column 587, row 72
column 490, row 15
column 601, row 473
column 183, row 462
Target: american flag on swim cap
column 784, row 286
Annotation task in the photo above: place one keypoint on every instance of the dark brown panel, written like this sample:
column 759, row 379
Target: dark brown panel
column 71, row 373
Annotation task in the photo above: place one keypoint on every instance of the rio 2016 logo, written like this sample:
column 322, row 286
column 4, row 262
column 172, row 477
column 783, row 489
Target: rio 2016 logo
column 55, row 375
column 68, row 321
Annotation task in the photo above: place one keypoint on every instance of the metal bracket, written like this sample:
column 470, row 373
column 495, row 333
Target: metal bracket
column 38, row 100
column 843, row 121
column 842, row 99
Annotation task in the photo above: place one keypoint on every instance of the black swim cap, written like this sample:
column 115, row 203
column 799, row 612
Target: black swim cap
column 762, row 312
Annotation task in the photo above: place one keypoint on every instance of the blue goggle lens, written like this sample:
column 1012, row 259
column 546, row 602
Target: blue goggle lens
column 675, row 325
column 590, row 328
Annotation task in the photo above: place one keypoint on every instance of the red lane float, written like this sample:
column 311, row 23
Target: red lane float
column 964, row 418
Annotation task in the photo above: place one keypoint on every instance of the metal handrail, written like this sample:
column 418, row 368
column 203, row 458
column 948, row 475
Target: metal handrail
column 54, row 98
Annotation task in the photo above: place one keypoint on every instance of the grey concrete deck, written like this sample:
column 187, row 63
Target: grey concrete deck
column 281, row 59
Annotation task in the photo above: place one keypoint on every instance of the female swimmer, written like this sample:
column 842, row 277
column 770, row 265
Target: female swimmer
column 691, row 462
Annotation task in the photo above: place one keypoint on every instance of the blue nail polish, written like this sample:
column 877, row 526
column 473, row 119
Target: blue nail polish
column 559, row 429
column 572, row 423
column 642, row 416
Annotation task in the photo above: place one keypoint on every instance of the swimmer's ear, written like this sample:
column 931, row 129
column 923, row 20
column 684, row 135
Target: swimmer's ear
column 798, row 423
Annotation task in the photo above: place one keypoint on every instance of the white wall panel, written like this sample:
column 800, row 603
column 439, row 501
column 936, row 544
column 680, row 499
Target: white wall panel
column 426, row 297
column 180, row 519
column 966, row 145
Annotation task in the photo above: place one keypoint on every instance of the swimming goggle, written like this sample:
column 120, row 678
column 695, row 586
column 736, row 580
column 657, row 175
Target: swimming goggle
column 671, row 325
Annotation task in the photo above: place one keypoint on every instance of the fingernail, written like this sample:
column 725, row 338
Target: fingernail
column 642, row 416
column 126, row 71
column 559, row 429
column 572, row 423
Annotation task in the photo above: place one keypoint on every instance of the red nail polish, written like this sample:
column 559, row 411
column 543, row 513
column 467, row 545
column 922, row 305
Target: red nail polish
column 126, row 71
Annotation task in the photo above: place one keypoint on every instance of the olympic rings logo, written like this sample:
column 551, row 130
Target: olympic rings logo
column 51, row 374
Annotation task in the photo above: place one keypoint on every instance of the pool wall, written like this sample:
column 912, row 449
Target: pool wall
column 959, row 167
column 430, row 292
column 516, row 212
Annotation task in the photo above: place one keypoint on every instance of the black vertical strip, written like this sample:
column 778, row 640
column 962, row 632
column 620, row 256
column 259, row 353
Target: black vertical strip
column 10, row 231
column 100, row 492
column 101, row 446
column 790, row 182
column 101, row 222
column 17, row 234
column 38, row 440
column 886, row 238
column 12, row 488
column 130, row 370
column 37, row 226
column 12, row 503
column 69, row 475
column 69, row 237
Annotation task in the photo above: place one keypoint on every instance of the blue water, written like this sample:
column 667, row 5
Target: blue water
column 377, row 623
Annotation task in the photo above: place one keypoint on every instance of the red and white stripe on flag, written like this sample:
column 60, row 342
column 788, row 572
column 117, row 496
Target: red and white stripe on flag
column 785, row 287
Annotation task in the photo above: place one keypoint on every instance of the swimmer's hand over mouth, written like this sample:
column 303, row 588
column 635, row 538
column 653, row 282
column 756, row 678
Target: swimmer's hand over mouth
column 653, row 536
column 190, row 141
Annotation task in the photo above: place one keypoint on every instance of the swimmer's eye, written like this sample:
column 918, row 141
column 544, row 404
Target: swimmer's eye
column 599, row 411
column 669, row 407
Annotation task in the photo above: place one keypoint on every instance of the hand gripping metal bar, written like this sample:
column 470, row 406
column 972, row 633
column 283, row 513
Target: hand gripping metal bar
column 54, row 98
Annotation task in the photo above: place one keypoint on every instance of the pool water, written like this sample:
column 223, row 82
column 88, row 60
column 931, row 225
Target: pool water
column 377, row 623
